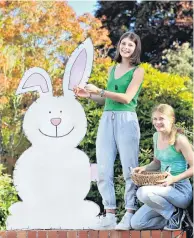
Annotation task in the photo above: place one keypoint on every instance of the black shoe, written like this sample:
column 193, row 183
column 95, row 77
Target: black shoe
column 175, row 222
column 187, row 223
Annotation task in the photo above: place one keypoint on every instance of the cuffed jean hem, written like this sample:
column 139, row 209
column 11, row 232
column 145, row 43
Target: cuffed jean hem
column 105, row 207
column 131, row 208
column 166, row 216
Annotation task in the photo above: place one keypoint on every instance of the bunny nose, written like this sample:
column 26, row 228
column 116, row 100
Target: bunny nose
column 56, row 121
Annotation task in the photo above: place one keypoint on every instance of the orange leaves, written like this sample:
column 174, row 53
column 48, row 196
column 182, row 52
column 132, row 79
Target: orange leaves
column 38, row 17
column 105, row 61
column 58, row 82
column 3, row 83
column 93, row 28
column 28, row 20
column 7, row 85
column 38, row 33
column 3, row 100
column 2, row 3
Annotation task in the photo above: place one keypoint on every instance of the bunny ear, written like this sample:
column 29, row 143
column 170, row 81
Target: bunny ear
column 35, row 79
column 79, row 66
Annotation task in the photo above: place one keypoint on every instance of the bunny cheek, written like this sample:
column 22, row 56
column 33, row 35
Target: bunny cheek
column 57, row 133
column 55, row 122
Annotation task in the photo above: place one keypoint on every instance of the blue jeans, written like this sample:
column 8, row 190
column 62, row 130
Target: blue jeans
column 159, row 204
column 118, row 132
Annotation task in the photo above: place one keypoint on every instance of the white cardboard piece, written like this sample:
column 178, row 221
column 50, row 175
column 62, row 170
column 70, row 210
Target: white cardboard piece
column 53, row 177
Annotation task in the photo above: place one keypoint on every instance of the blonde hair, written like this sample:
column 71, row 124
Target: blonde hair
column 169, row 112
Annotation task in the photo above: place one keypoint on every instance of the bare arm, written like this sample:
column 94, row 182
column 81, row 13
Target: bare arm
column 97, row 98
column 184, row 146
column 153, row 166
column 100, row 100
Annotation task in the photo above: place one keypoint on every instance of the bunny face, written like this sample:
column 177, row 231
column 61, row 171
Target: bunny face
column 55, row 122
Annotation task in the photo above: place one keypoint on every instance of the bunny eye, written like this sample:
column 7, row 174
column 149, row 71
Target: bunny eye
column 60, row 111
column 49, row 111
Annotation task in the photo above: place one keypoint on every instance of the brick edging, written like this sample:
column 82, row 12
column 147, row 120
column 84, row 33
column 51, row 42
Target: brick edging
column 91, row 234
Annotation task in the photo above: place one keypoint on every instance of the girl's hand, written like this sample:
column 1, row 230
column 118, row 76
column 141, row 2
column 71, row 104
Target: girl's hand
column 81, row 92
column 90, row 88
column 167, row 181
column 139, row 169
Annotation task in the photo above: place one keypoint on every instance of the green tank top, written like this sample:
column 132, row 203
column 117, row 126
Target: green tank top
column 169, row 157
column 120, row 85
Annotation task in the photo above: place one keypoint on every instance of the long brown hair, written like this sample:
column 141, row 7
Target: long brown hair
column 135, row 57
column 169, row 112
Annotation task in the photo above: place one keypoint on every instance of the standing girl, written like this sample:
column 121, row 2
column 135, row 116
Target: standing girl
column 164, row 204
column 118, row 129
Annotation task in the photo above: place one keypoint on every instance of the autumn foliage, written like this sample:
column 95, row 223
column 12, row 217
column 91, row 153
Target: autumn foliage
column 41, row 34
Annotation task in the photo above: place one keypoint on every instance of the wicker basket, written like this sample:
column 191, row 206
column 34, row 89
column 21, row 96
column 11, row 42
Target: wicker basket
column 148, row 178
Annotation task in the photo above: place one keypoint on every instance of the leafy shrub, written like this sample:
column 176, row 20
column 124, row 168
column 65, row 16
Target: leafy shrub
column 8, row 196
column 159, row 88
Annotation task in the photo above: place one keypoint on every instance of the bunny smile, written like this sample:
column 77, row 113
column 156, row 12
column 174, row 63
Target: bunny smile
column 56, row 133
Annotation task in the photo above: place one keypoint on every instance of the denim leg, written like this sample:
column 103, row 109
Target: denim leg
column 127, row 138
column 106, row 151
column 163, row 200
column 147, row 218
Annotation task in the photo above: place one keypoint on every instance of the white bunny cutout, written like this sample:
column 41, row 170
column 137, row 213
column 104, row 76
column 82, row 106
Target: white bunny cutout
column 53, row 177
